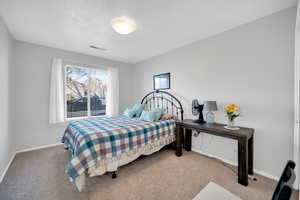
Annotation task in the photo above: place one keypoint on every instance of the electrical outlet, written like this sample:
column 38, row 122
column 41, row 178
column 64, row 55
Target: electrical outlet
column 195, row 133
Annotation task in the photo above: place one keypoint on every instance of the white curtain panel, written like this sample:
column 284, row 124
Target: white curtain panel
column 56, row 105
column 112, row 98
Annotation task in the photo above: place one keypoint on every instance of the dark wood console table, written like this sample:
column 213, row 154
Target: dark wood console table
column 244, row 136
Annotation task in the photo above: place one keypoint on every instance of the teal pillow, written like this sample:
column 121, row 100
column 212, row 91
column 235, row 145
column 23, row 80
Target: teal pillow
column 159, row 112
column 138, row 108
column 129, row 113
column 148, row 116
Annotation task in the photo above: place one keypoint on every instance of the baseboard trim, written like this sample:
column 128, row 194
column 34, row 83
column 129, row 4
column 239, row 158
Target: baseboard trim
column 262, row 173
column 38, row 148
column 7, row 167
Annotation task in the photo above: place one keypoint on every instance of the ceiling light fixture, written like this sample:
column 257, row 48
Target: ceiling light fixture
column 123, row 25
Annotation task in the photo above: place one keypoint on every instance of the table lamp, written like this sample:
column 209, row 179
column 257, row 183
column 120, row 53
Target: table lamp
column 210, row 106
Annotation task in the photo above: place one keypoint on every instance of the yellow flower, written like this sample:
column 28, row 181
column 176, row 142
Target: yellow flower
column 231, row 108
column 232, row 111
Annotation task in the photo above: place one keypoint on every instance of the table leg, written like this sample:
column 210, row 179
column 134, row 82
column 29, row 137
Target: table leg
column 114, row 175
column 243, row 161
column 179, row 136
column 188, row 139
column 250, row 156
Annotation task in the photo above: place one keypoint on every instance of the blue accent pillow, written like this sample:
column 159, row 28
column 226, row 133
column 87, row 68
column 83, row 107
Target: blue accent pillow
column 148, row 116
column 138, row 108
column 159, row 112
column 129, row 113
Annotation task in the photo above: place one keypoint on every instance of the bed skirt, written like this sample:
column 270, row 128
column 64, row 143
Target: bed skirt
column 112, row 164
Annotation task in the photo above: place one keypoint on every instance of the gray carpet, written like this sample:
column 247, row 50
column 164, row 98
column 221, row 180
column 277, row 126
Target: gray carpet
column 39, row 175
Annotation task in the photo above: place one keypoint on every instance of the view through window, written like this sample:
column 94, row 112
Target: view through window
column 85, row 91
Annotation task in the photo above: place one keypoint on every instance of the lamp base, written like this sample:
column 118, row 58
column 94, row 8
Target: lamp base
column 210, row 117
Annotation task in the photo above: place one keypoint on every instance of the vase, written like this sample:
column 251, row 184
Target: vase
column 231, row 123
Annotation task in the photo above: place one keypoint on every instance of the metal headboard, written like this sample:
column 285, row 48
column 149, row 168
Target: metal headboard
column 162, row 99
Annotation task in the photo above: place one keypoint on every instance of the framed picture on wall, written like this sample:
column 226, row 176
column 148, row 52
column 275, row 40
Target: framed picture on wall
column 162, row 81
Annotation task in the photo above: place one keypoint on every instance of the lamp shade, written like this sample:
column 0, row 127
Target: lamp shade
column 210, row 106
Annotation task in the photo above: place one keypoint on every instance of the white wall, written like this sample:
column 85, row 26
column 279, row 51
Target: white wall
column 6, row 142
column 31, row 83
column 252, row 66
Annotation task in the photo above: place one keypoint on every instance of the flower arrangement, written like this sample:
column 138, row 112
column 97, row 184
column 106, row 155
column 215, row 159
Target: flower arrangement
column 232, row 111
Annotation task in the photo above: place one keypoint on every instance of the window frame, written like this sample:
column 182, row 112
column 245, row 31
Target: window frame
column 82, row 66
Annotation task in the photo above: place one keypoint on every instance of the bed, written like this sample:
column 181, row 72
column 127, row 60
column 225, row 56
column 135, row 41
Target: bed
column 103, row 144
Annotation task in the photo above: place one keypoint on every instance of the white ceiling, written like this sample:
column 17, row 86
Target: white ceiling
column 162, row 25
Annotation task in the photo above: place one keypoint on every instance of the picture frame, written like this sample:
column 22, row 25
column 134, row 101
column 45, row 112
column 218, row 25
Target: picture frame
column 162, row 81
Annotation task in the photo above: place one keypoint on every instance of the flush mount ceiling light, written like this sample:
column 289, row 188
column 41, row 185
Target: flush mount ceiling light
column 123, row 25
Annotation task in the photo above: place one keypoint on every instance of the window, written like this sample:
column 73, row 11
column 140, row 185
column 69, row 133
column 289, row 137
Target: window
column 85, row 92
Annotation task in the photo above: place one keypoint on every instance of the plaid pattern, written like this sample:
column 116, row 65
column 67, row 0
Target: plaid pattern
column 92, row 140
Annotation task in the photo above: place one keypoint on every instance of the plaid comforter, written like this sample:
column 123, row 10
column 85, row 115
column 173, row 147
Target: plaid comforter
column 92, row 140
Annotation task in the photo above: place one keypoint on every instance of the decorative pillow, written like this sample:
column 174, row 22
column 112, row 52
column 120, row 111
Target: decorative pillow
column 138, row 108
column 167, row 117
column 129, row 113
column 148, row 116
column 159, row 112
